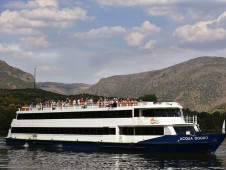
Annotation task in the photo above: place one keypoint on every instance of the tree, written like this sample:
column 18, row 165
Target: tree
column 149, row 97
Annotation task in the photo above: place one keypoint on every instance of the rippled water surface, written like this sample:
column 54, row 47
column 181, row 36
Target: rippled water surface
column 36, row 158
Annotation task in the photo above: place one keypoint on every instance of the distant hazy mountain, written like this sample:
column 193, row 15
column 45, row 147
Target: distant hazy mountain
column 14, row 78
column 61, row 88
column 198, row 84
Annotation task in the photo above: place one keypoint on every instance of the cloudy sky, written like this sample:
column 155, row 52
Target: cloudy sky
column 82, row 41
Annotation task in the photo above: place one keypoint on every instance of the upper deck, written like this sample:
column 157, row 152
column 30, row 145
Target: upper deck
column 100, row 106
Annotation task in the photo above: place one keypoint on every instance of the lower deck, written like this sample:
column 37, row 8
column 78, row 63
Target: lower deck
column 164, row 144
column 124, row 134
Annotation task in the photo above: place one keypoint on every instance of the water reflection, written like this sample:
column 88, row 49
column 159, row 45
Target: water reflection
column 36, row 158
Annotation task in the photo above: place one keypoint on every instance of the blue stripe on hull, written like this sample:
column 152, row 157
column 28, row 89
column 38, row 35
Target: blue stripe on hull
column 166, row 144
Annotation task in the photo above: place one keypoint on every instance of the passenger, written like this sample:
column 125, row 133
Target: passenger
column 114, row 103
column 135, row 103
column 41, row 106
column 82, row 101
column 46, row 104
column 100, row 102
column 90, row 102
column 74, row 102
column 85, row 105
column 78, row 101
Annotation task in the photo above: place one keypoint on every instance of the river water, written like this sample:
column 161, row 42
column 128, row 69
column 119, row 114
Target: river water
column 37, row 158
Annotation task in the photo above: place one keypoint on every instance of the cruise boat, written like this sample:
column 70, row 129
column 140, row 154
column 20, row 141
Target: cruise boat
column 143, row 127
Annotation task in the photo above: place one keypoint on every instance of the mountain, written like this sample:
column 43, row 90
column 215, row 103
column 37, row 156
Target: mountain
column 61, row 88
column 198, row 84
column 14, row 78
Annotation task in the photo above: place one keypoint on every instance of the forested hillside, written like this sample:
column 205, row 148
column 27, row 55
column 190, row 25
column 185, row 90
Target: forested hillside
column 11, row 100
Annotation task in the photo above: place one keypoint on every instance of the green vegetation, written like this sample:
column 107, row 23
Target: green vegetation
column 209, row 122
column 11, row 100
column 11, row 82
column 148, row 97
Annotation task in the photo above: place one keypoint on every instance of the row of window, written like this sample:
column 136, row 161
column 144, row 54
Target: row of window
column 79, row 131
column 78, row 115
column 141, row 131
column 91, row 131
column 102, row 114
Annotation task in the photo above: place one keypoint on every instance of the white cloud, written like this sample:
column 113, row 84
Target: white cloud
column 174, row 10
column 166, row 11
column 181, row 12
column 149, row 45
column 32, row 4
column 10, row 48
column 35, row 42
column 14, row 20
column 48, row 56
column 221, row 20
column 44, row 3
column 147, row 28
column 39, row 14
column 203, row 31
column 135, row 38
column 55, row 14
column 47, row 69
column 128, row 3
column 138, row 35
column 103, row 32
column 35, row 57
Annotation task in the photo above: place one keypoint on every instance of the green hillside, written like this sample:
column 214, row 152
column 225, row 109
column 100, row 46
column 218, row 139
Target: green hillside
column 14, row 78
column 11, row 100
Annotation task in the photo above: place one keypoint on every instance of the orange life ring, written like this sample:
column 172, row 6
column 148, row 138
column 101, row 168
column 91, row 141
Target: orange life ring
column 152, row 121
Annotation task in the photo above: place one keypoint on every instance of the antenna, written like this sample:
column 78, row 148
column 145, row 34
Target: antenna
column 35, row 78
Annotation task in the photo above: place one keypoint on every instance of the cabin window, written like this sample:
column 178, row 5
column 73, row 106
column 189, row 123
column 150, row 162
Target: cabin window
column 127, row 131
column 80, row 131
column 136, row 112
column 181, row 130
column 141, row 131
column 78, row 115
column 161, row 113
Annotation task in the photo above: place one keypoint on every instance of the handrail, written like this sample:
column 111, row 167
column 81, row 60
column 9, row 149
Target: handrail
column 191, row 119
column 95, row 105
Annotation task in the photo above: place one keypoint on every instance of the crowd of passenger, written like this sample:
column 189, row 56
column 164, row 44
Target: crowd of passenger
column 81, row 102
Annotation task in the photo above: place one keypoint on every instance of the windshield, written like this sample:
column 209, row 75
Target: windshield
column 182, row 130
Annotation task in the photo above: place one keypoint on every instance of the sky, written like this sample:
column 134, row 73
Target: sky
column 83, row 41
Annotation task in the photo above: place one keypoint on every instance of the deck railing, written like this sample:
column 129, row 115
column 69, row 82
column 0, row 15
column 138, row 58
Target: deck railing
column 95, row 105
column 190, row 119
